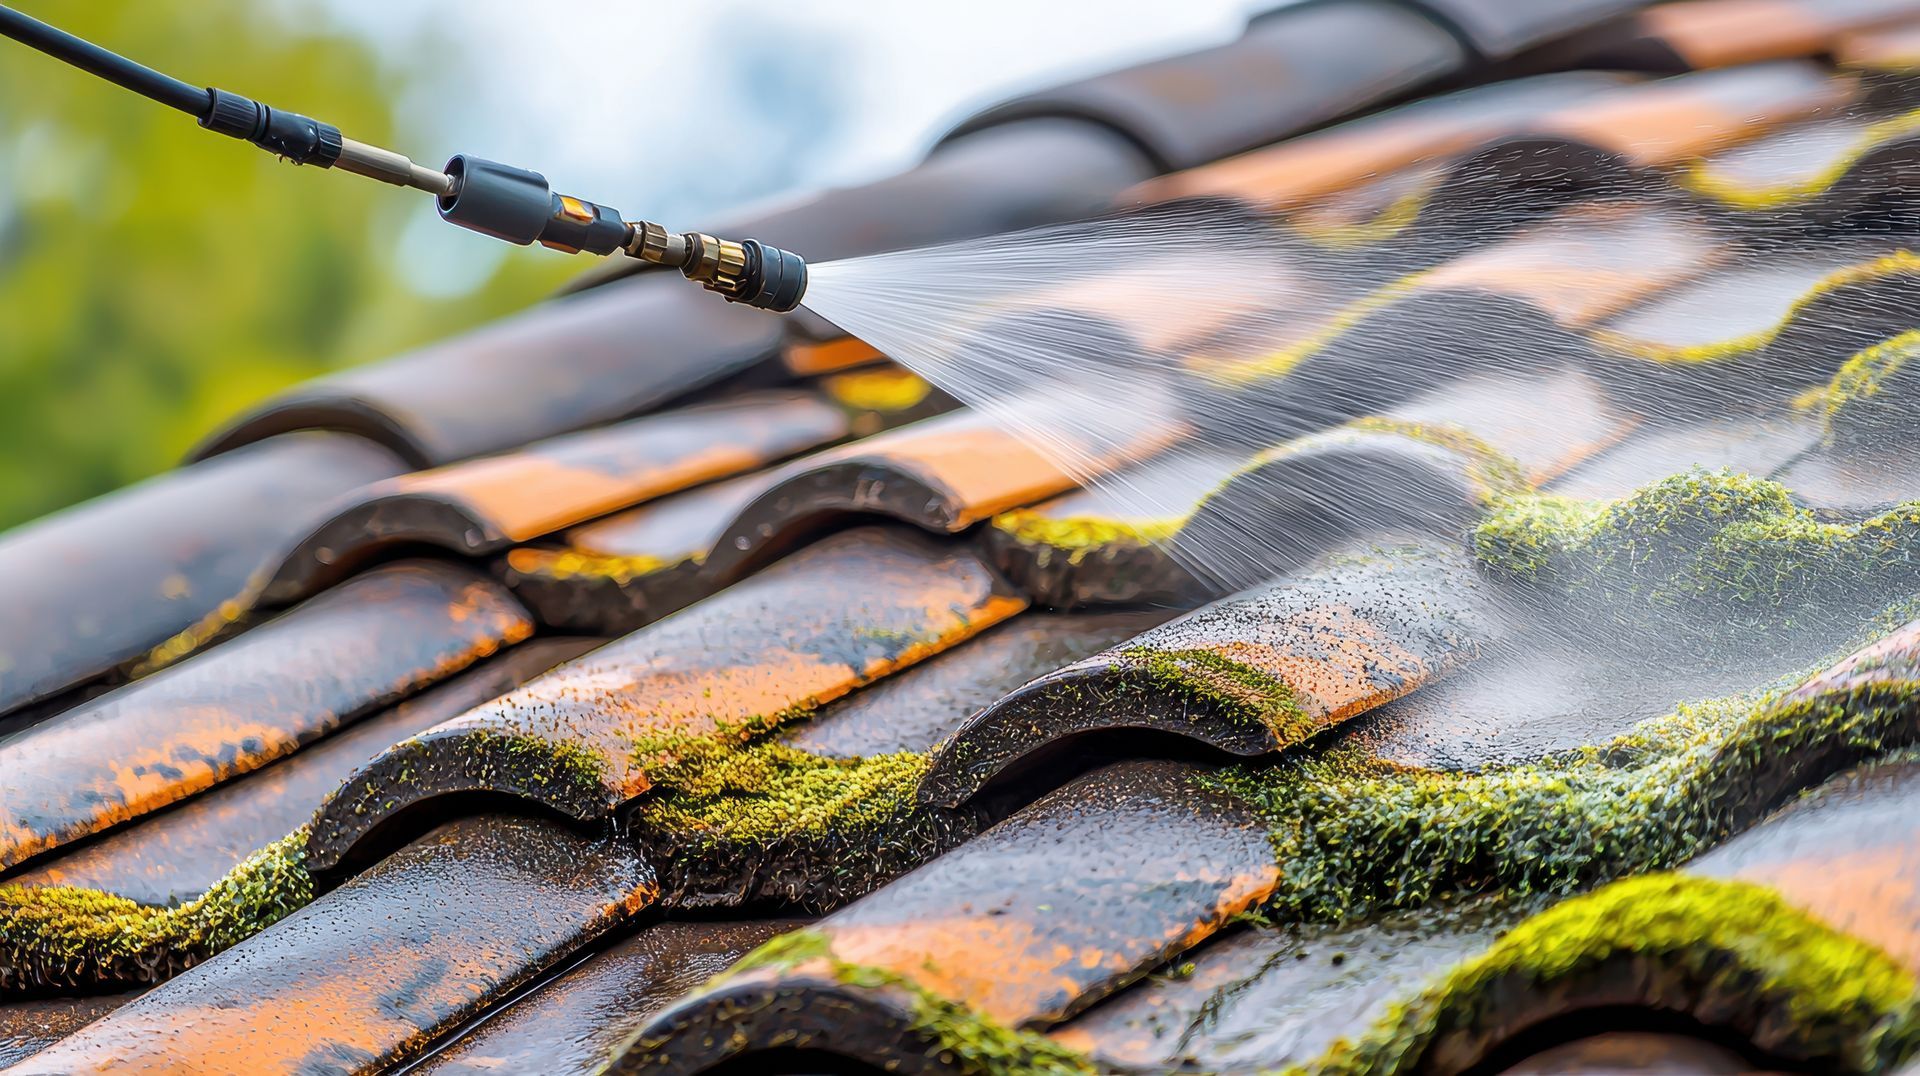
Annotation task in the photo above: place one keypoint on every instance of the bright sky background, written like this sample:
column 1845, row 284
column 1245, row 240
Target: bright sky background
column 628, row 101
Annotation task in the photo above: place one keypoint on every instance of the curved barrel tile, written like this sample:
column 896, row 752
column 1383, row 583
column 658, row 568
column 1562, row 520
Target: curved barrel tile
column 96, row 587
column 1021, row 927
column 574, row 1023
column 1535, row 296
column 1846, row 853
column 484, row 505
column 1106, row 545
column 563, row 365
column 367, row 643
column 582, row 739
column 1720, row 33
column 1760, row 331
column 174, row 855
column 367, row 975
column 618, row 574
column 942, row 475
column 1254, row 673
column 918, row 708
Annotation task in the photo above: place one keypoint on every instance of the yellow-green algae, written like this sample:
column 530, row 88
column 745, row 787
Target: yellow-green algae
column 1899, row 263
column 960, row 1038
column 59, row 936
column 1492, row 473
column 1854, row 396
column 1353, row 835
column 884, row 389
column 1079, row 537
column 1283, row 361
column 1396, row 217
column 1701, row 179
column 1235, row 690
column 574, row 565
column 1843, row 1002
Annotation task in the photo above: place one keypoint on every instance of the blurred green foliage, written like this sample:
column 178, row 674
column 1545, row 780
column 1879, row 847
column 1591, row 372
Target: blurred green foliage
column 155, row 279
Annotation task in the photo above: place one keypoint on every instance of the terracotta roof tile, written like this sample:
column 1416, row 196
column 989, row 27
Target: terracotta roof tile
column 371, row 641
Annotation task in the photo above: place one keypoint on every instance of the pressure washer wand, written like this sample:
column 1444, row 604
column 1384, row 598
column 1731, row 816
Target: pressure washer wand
column 480, row 195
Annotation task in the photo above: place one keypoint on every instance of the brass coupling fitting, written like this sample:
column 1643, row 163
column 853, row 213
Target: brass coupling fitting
column 744, row 272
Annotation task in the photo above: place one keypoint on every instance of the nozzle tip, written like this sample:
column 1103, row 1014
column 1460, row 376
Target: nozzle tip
column 776, row 279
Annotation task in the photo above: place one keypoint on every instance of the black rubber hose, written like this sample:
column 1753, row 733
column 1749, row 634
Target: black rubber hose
column 115, row 68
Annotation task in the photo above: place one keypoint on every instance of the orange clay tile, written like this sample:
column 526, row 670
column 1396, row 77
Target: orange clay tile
column 582, row 739
column 28, row 1027
column 173, row 855
column 1026, row 924
column 483, row 505
column 1720, row 33
column 1660, row 123
column 805, row 358
column 235, row 708
column 1847, row 852
column 1258, row 672
column 1585, row 264
column 1894, row 49
column 1300, row 170
column 943, row 475
column 366, row 975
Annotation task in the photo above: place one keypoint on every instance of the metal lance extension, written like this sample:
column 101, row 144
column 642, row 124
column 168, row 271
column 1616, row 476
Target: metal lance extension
column 490, row 198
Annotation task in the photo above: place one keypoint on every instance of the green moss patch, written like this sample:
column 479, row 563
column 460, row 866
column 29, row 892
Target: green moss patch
column 1354, row 836
column 770, row 822
column 62, row 937
column 1706, row 556
column 1735, row 949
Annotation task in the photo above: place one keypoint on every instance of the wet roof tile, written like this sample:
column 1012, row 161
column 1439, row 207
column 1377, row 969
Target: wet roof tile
column 1074, row 895
column 436, row 930
column 1266, row 997
column 1254, row 673
column 1721, row 33
column 839, row 614
column 482, row 506
column 240, row 706
column 176, row 854
column 563, row 365
column 576, row 1022
column 97, row 586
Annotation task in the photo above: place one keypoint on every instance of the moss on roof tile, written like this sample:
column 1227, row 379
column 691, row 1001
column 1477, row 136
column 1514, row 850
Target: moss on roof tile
column 1831, row 997
column 63, row 936
column 1353, row 836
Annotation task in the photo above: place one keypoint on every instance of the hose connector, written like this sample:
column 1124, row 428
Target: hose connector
column 518, row 206
column 747, row 271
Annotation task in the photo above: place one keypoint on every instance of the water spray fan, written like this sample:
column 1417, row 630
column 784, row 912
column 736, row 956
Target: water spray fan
column 484, row 196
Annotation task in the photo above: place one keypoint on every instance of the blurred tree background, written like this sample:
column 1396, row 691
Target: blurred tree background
column 156, row 279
